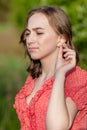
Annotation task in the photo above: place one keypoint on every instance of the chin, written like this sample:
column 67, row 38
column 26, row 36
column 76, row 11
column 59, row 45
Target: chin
column 34, row 58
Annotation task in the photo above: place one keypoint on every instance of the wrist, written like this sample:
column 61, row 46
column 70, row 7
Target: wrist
column 60, row 74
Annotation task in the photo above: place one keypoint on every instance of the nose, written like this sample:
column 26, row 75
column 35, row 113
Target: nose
column 31, row 38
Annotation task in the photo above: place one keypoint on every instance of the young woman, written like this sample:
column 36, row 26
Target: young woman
column 54, row 96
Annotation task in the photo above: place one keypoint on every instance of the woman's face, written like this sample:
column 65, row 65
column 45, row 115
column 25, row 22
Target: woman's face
column 41, row 39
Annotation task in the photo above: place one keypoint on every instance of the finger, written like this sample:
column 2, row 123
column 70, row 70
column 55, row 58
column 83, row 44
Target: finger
column 69, row 53
column 65, row 45
column 60, row 52
column 67, row 49
column 70, row 58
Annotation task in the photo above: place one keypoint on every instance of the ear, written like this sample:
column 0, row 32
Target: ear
column 61, row 40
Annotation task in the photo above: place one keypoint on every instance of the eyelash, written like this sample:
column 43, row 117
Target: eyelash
column 38, row 33
column 27, row 34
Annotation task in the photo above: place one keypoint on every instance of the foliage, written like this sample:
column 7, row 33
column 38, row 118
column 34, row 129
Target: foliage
column 12, row 77
column 4, row 10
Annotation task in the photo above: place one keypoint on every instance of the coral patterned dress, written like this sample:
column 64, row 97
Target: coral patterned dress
column 32, row 116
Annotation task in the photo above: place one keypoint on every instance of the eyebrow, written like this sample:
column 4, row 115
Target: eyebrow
column 37, row 28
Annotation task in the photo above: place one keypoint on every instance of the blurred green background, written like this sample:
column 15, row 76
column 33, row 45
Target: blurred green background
column 13, row 63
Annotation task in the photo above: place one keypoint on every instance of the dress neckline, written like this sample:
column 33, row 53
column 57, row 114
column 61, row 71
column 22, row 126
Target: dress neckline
column 39, row 91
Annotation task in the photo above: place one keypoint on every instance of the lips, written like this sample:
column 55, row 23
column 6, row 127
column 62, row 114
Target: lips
column 32, row 48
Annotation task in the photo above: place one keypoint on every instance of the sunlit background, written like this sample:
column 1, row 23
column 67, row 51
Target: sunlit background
column 12, row 60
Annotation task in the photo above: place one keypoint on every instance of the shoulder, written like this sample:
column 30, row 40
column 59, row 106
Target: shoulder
column 26, row 88
column 29, row 79
column 76, row 86
column 76, row 77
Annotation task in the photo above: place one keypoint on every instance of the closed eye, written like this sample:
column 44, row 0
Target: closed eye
column 27, row 33
column 39, row 33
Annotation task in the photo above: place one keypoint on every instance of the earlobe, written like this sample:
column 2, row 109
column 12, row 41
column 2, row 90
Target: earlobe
column 61, row 40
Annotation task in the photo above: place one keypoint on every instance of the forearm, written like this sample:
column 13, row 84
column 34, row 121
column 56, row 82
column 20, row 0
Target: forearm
column 57, row 113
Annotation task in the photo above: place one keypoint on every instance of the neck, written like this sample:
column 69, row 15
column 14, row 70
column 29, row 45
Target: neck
column 48, row 65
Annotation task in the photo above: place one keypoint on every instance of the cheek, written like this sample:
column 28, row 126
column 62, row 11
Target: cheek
column 48, row 39
column 49, row 46
column 48, row 42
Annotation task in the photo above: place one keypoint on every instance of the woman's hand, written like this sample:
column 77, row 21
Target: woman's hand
column 61, row 112
column 66, row 59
